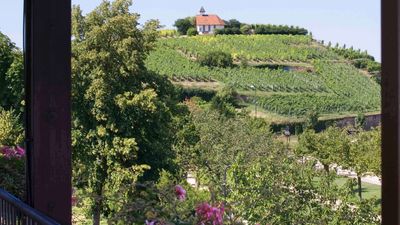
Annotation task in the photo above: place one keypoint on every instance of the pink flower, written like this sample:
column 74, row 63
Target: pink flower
column 10, row 153
column 151, row 222
column 210, row 214
column 20, row 151
column 180, row 193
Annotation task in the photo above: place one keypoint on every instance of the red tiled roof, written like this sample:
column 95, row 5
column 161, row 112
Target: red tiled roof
column 209, row 20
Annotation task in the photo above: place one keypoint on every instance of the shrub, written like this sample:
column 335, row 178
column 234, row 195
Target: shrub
column 192, row 32
column 246, row 29
column 225, row 101
column 12, row 170
column 183, row 25
column 373, row 66
column 11, row 131
column 216, row 59
column 228, row 31
column 12, row 160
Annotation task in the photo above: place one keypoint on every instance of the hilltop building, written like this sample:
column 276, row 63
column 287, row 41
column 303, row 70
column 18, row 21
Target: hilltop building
column 207, row 23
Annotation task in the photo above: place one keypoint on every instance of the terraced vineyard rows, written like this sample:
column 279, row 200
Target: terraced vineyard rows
column 298, row 48
column 174, row 65
column 349, row 92
column 332, row 87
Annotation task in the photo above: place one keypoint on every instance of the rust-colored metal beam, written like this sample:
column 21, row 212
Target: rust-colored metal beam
column 47, row 50
column 390, row 112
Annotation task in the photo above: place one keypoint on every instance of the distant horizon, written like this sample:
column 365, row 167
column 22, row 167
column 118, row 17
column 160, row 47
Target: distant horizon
column 353, row 23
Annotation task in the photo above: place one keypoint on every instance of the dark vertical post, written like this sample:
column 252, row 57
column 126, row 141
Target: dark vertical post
column 390, row 112
column 47, row 50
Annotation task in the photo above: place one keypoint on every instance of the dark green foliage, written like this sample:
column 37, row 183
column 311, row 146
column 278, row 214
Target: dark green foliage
column 183, row 25
column 11, row 75
column 233, row 23
column 225, row 101
column 278, row 29
column 12, row 176
column 187, row 93
column 216, row 59
column 192, row 32
column 228, row 31
column 235, row 27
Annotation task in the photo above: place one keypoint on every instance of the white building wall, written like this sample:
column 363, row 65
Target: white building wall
column 208, row 29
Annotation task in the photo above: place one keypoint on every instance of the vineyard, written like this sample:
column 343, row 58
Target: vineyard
column 331, row 86
column 261, row 48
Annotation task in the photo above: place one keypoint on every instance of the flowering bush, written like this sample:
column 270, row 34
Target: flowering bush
column 180, row 193
column 12, row 153
column 212, row 215
column 12, row 160
column 12, row 170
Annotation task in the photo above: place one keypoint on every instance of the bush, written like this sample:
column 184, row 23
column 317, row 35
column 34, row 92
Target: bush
column 11, row 131
column 279, row 29
column 216, row 59
column 204, row 94
column 192, row 32
column 12, row 170
column 12, row 160
column 373, row 66
column 183, row 25
column 228, row 31
column 246, row 29
column 225, row 101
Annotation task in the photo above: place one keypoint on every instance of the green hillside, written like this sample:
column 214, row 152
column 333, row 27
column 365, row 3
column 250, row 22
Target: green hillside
column 292, row 74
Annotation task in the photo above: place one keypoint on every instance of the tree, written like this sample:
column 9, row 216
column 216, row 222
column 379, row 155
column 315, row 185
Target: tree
column 11, row 75
column 216, row 59
column 364, row 155
column 225, row 101
column 328, row 147
column 246, row 29
column 192, row 32
column 261, row 181
column 123, row 115
column 233, row 23
column 183, row 25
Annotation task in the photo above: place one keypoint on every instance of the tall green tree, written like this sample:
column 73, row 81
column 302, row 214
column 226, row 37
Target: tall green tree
column 328, row 147
column 364, row 155
column 183, row 25
column 123, row 115
column 11, row 75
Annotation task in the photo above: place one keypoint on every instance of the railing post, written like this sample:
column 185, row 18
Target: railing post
column 390, row 112
column 47, row 49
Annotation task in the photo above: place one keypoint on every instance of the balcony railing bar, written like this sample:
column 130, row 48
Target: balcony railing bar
column 15, row 212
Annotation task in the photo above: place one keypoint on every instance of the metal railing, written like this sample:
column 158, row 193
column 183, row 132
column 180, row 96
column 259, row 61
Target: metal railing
column 15, row 212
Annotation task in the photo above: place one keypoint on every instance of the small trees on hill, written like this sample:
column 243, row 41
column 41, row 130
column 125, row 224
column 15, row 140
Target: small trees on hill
column 183, row 25
column 216, row 59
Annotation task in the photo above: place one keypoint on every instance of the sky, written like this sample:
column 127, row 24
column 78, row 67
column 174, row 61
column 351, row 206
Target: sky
column 352, row 22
